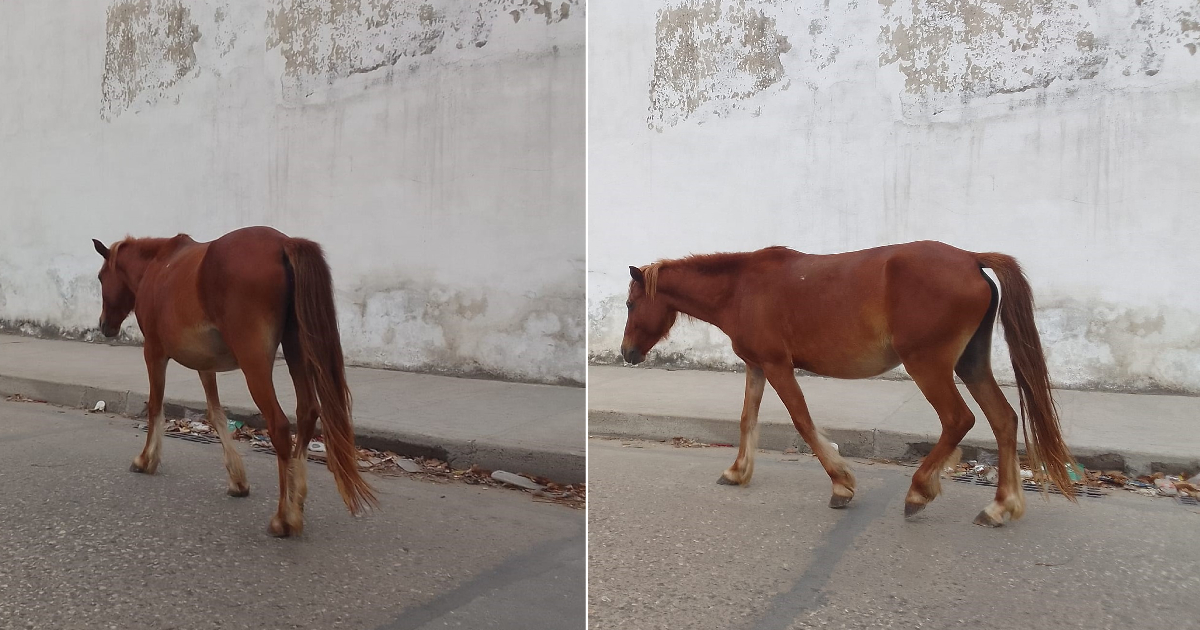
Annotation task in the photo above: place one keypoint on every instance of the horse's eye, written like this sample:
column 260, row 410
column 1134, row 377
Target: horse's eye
column 629, row 305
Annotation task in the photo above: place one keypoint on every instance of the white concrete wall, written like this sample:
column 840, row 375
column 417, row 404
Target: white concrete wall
column 1064, row 133
column 435, row 148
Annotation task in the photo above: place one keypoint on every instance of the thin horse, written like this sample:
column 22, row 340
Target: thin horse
column 925, row 305
column 229, row 304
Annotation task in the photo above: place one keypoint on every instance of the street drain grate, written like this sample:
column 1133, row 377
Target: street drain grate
column 1188, row 501
column 199, row 438
column 256, row 446
column 267, row 449
column 1029, row 486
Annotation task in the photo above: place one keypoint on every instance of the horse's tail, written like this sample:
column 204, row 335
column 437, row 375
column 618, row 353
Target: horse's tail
column 1043, row 438
column 321, row 349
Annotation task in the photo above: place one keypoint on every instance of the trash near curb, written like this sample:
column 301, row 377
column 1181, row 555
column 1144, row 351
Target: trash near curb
column 193, row 428
column 1088, row 483
column 515, row 480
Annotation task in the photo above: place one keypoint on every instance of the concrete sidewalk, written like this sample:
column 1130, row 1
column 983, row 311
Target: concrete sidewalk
column 885, row 419
column 536, row 429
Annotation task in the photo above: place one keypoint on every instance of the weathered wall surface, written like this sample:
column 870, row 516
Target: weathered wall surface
column 1064, row 133
column 435, row 148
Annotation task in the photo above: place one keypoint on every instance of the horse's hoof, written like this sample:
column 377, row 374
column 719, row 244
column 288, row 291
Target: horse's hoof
column 724, row 481
column 278, row 528
column 134, row 468
column 838, row 502
column 239, row 492
column 912, row 509
column 984, row 519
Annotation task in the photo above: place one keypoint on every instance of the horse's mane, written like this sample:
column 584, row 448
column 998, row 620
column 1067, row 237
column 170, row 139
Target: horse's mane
column 720, row 262
column 149, row 245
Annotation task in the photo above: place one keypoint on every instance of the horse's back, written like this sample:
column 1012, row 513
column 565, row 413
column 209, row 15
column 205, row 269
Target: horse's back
column 840, row 313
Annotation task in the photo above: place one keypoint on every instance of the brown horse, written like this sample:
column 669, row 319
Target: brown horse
column 229, row 304
column 925, row 305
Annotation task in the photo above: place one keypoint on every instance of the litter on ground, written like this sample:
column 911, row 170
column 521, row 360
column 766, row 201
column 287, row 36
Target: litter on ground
column 387, row 463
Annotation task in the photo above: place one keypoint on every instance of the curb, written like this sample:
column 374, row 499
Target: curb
column 566, row 468
column 861, row 443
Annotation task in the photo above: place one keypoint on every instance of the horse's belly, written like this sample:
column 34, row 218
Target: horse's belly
column 862, row 368
column 202, row 349
column 850, row 363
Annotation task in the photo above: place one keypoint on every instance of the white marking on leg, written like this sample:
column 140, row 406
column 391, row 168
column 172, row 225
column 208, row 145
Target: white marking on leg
column 298, row 480
column 743, row 467
column 233, row 460
column 153, row 452
column 841, row 487
column 751, row 447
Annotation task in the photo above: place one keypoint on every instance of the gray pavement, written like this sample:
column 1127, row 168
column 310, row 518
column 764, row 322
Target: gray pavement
column 86, row 544
column 537, row 429
column 884, row 419
column 670, row 548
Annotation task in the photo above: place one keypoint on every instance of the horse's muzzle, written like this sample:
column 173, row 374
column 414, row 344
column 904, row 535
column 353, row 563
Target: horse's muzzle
column 109, row 331
column 632, row 356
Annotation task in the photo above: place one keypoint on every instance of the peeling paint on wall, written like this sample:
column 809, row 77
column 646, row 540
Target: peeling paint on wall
column 149, row 47
column 226, row 34
column 435, row 328
column 1099, row 345
column 323, row 40
column 951, row 52
column 713, row 55
column 982, row 48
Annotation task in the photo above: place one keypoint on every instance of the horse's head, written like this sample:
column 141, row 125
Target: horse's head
column 649, row 319
column 114, row 287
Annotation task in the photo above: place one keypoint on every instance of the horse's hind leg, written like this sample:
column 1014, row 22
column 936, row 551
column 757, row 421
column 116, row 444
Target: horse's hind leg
column 156, row 368
column 258, row 370
column 1010, row 499
column 935, row 377
column 238, row 485
column 975, row 369
column 743, row 467
column 307, row 411
column 783, row 379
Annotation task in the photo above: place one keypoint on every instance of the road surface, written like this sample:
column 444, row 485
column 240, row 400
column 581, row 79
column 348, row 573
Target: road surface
column 84, row 543
column 670, row 548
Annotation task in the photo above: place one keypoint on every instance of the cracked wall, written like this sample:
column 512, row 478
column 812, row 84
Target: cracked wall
column 950, row 52
column 323, row 41
column 712, row 54
column 149, row 47
column 1063, row 133
column 434, row 148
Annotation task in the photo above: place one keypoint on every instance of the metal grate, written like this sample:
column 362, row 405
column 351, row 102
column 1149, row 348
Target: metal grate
column 1188, row 501
column 1029, row 486
column 199, row 438
column 258, row 446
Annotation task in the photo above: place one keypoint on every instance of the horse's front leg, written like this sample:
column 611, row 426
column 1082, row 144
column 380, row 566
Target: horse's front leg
column 743, row 467
column 783, row 379
column 238, row 485
column 156, row 367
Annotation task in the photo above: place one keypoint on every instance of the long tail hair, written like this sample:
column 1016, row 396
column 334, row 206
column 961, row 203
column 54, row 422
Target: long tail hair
column 321, row 348
column 1039, row 415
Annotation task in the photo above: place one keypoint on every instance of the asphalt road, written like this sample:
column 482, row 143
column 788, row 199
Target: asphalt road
column 669, row 548
column 84, row 543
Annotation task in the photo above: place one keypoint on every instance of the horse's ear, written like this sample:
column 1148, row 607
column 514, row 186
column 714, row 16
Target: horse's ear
column 637, row 275
column 100, row 248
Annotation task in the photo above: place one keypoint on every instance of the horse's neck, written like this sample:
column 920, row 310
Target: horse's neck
column 145, row 252
column 699, row 295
